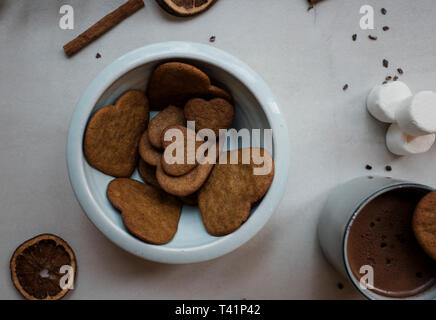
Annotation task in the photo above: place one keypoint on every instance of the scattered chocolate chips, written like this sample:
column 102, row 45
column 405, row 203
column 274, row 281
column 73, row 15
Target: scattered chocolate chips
column 372, row 37
column 385, row 28
column 368, row 167
column 385, row 63
column 212, row 39
column 345, row 87
column 354, row 37
column 98, row 56
column 384, row 11
column 400, row 71
column 388, row 168
column 340, row 286
column 395, row 78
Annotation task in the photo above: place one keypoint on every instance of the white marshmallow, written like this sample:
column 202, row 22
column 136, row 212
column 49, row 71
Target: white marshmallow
column 402, row 144
column 384, row 100
column 416, row 115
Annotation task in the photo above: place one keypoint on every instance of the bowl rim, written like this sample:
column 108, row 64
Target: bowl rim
column 165, row 51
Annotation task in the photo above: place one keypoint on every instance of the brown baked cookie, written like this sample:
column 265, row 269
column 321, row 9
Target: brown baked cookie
column 215, row 92
column 148, row 173
column 214, row 114
column 191, row 200
column 149, row 154
column 424, row 224
column 184, row 185
column 188, row 162
column 225, row 199
column 174, row 83
column 147, row 212
column 113, row 133
column 168, row 117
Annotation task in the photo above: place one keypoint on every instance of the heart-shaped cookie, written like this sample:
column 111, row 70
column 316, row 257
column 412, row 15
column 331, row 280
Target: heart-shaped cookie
column 168, row 117
column 187, row 184
column 147, row 212
column 215, row 92
column 174, row 83
column 225, row 199
column 149, row 154
column 148, row 173
column 185, row 8
column 214, row 114
column 184, row 140
column 113, row 133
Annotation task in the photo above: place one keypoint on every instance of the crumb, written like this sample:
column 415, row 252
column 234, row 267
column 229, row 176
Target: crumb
column 384, row 11
column 98, row 56
column 354, row 37
column 212, row 39
column 388, row 168
column 368, row 167
column 385, row 28
column 400, row 71
column 345, row 87
column 372, row 37
column 385, row 63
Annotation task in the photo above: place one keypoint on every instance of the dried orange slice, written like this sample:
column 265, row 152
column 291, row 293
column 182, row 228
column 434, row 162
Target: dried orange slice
column 184, row 8
column 43, row 268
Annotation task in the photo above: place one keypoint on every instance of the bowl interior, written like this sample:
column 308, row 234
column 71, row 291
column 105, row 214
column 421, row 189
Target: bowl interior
column 248, row 114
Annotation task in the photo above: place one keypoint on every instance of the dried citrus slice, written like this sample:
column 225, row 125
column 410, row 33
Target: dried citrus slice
column 184, row 8
column 42, row 268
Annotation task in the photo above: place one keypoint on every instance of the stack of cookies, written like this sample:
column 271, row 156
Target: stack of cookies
column 120, row 138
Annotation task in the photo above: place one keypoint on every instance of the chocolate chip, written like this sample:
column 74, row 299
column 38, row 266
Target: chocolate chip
column 388, row 78
column 354, row 37
column 385, row 63
column 385, row 28
column 98, row 56
column 384, row 11
column 372, row 37
column 384, row 82
column 345, row 87
column 212, row 39
column 368, row 167
column 395, row 78
column 388, row 168
column 400, row 71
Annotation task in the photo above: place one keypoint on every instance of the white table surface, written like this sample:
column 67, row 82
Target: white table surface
column 306, row 57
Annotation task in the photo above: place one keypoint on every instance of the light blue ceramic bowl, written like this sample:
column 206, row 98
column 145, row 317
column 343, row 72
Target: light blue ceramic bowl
column 255, row 107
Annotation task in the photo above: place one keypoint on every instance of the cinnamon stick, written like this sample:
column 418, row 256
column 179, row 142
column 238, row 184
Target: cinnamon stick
column 102, row 26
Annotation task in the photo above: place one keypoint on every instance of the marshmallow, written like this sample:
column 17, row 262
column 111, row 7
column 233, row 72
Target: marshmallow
column 416, row 115
column 384, row 100
column 402, row 144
